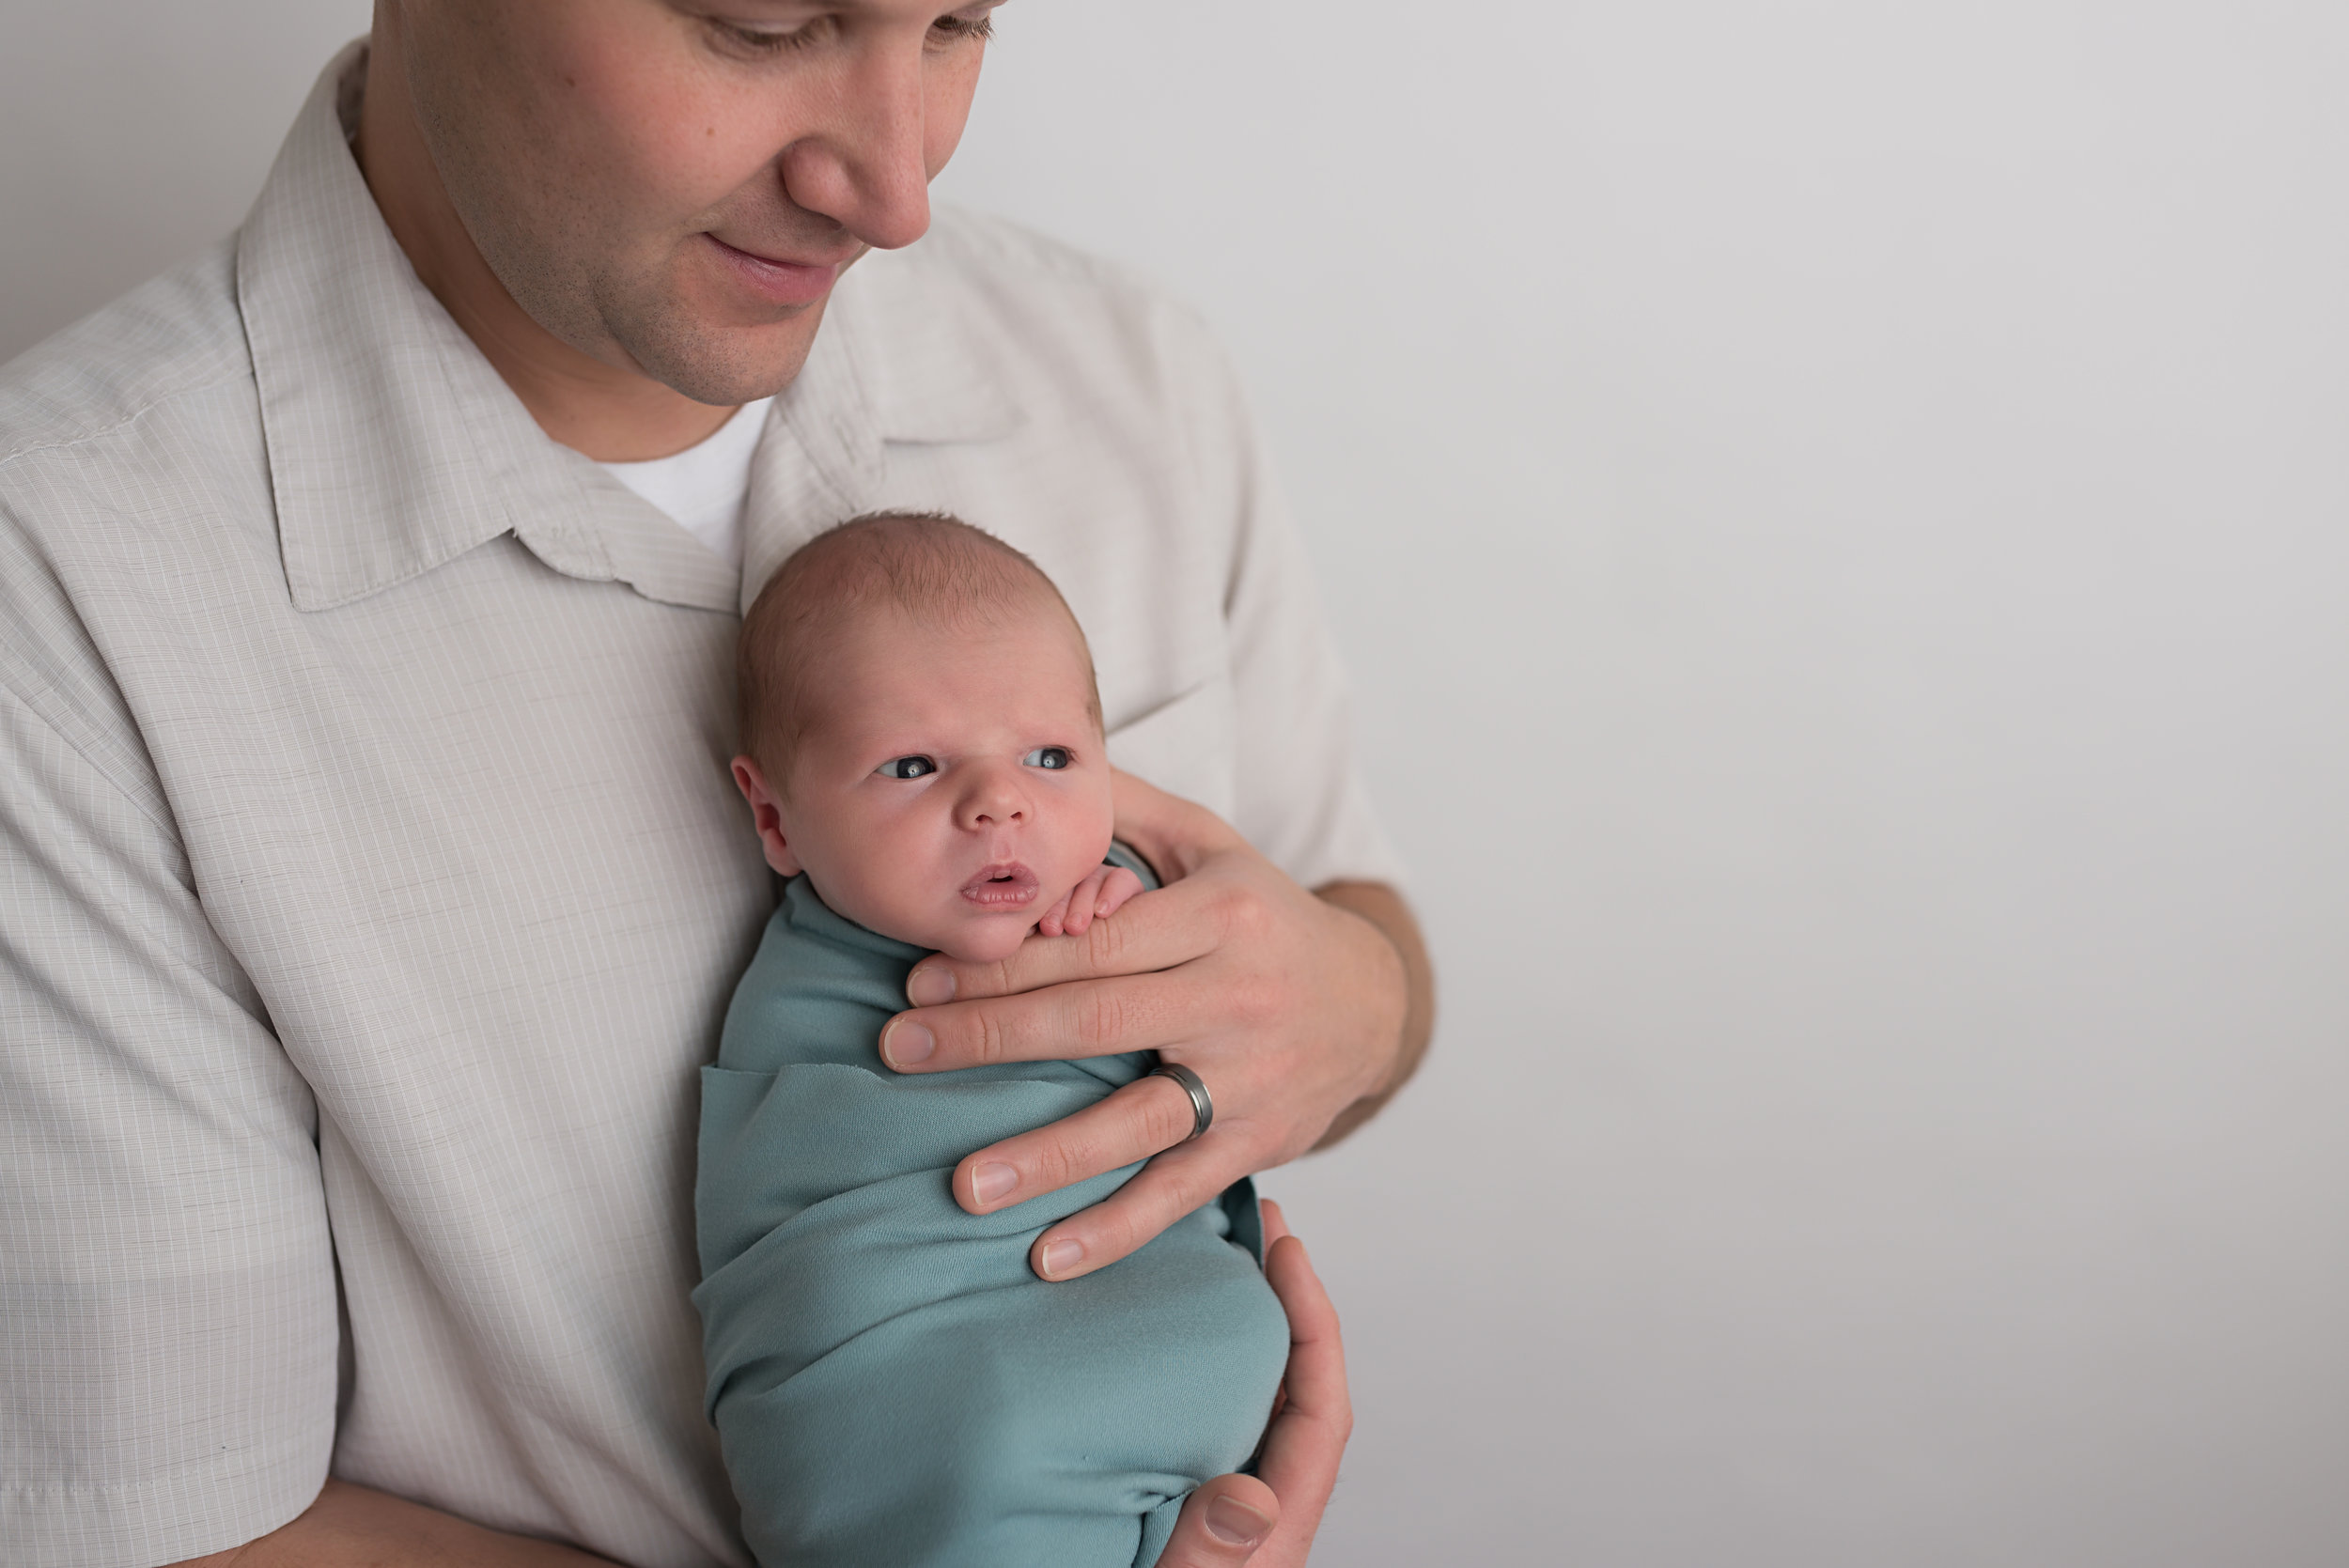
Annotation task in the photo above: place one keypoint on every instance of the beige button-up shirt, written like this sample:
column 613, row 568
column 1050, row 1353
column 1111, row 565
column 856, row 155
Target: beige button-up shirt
column 371, row 885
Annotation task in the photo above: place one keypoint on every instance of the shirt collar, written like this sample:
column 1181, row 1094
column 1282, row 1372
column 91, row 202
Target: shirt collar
column 394, row 446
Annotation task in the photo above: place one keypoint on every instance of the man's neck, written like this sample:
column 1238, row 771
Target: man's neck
column 609, row 412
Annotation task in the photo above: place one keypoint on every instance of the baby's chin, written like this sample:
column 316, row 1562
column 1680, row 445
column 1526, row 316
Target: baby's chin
column 986, row 938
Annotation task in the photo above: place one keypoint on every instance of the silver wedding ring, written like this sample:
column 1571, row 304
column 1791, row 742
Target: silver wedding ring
column 1202, row 1108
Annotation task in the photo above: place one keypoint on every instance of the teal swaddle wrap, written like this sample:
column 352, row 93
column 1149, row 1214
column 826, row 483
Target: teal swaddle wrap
column 891, row 1384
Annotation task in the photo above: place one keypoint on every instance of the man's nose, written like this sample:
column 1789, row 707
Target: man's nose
column 863, row 166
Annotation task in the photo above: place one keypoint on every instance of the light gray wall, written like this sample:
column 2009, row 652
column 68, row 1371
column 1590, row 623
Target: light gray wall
column 1840, row 516
column 133, row 133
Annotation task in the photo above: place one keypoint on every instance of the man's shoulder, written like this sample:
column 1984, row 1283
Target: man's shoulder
column 113, row 434
column 173, row 336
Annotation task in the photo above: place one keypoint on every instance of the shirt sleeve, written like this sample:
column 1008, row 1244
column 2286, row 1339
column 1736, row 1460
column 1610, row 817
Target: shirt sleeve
column 1299, row 794
column 168, row 1331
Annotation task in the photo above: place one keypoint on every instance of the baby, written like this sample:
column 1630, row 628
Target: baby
column 891, row 1383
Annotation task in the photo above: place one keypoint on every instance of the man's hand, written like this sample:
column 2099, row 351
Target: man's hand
column 1289, row 1007
column 1269, row 1520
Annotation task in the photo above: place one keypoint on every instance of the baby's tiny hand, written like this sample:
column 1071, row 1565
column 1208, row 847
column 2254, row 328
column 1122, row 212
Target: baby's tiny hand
column 1095, row 898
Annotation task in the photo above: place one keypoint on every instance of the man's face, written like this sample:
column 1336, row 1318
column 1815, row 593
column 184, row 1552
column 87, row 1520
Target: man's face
column 674, row 185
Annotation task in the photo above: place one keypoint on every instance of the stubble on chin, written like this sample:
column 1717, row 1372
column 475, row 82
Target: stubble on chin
column 710, row 363
column 674, row 328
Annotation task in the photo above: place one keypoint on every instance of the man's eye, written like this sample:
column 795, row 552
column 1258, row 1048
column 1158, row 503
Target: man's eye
column 755, row 42
column 906, row 768
column 956, row 26
column 1047, row 756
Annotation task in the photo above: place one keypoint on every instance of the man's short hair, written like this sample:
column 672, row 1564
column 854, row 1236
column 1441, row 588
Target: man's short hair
column 927, row 565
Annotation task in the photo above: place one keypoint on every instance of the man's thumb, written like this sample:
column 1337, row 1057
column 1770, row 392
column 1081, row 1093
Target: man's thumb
column 1223, row 1523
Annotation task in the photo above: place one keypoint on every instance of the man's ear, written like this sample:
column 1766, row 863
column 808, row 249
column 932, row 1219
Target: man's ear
column 766, row 815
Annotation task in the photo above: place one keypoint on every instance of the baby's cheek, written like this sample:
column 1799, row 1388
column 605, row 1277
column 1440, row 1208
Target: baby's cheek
column 875, row 892
column 1092, row 838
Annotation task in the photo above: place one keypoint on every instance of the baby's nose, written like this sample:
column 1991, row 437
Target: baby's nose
column 995, row 804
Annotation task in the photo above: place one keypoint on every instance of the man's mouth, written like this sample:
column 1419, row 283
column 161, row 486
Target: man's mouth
column 776, row 279
column 1005, row 885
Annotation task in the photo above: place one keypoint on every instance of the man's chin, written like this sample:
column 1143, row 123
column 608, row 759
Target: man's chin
column 725, row 364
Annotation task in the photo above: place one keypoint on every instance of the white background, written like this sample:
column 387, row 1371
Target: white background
column 1839, row 515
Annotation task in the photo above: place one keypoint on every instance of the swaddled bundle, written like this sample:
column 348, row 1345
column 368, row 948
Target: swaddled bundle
column 891, row 1382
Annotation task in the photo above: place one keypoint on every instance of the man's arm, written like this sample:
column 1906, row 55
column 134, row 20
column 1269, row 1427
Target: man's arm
column 1384, row 908
column 1268, row 1518
column 167, row 1312
column 354, row 1526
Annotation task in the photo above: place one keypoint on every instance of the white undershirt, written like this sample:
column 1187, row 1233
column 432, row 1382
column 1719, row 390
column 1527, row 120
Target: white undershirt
column 703, row 487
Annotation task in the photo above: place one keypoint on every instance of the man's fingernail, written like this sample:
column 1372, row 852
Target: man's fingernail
column 929, row 987
column 908, row 1044
column 1234, row 1523
column 991, row 1181
column 1062, row 1256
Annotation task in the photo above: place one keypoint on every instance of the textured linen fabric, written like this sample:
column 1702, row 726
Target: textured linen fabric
column 371, row 886
column 890, row 1381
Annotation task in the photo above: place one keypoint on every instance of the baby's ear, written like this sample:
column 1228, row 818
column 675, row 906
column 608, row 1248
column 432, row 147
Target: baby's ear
column 766, row 815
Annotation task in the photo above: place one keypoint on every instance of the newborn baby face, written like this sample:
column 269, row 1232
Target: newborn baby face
column 950, row 787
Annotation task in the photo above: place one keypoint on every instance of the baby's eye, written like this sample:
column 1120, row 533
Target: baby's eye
column 1047, row 756
column 906, row 768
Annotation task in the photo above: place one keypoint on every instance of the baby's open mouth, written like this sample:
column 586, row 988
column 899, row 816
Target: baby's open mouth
column 1005, row 885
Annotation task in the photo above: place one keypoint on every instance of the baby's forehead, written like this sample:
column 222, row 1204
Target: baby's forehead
column 873, row 626
column 947, row 661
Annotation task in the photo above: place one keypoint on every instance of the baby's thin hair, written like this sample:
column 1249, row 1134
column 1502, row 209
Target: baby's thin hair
column 928, row 564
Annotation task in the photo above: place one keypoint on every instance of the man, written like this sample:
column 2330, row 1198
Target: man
column 371, row 886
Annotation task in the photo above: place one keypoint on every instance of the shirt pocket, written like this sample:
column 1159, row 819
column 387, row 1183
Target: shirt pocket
column 1186, row 745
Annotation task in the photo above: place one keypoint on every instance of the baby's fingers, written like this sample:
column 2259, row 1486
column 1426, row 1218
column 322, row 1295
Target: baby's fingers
column 1056, row 920
column 1083, row 902
column 1120, row 885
